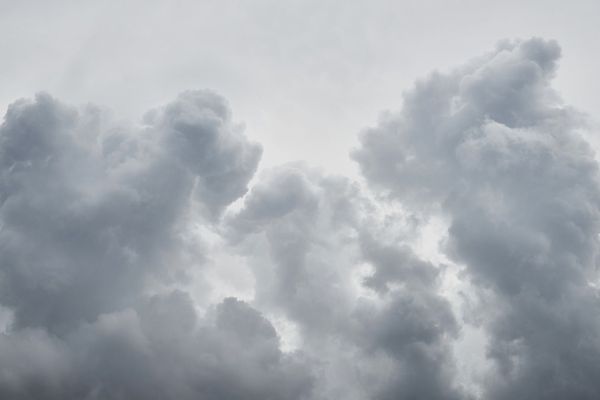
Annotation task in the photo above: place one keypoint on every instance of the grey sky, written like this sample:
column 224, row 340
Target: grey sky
column 299, row 200
column 304, row 76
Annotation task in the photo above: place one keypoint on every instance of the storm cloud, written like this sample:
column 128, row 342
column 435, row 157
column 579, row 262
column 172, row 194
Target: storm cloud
column 112, row 233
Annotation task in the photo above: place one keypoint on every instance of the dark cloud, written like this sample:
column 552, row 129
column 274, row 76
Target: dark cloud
column 493, row 146
column 160, row 350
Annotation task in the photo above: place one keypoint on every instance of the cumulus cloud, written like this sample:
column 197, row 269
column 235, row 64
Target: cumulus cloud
column 92, row 213
column 491, row 146
column 160, row 350
column 380, row 333
column 89, row 213
column 108, row 230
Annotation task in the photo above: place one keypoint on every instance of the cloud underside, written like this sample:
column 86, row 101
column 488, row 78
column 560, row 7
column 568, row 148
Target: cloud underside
column 112, row 234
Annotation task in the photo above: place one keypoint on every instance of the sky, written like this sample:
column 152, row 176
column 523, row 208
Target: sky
column 302, row 75
column 299, row 200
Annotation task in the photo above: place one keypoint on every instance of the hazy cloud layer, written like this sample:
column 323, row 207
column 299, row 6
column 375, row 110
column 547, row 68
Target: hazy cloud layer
column 107, row 228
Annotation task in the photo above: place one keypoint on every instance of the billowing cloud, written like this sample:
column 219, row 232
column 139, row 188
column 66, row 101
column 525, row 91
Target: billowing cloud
column 384, row 332
column 493, row 148
column 91, row 215
column 160, row 350
column 113, row 237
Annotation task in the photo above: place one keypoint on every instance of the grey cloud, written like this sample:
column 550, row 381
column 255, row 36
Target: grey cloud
column 197, row 128
column 88, row 215
column 314, row 232
column 413, row 325
column 492, row 144
column 160, row 350
column 395, row 265
column 414, row 330
column 93, row 215
column 101, row 224
column 297, row 215
column 508, row 86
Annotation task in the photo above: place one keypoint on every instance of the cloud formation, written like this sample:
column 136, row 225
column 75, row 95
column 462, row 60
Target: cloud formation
column 492, row 147
column 316, row 233
column 107, row 228
column 91, row 215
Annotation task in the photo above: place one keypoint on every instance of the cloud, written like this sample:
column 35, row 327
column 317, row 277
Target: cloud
column 88, row 213
column 198, row 131
column 159, row 350
column 381, row 333
column 108, row 230
column 491, row 146
column 92, row 213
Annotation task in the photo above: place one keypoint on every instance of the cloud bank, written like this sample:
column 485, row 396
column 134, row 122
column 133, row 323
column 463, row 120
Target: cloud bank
column 110, row 233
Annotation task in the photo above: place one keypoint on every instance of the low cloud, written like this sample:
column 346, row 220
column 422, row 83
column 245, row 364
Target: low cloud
column 315, row 232
column 491, row 146
column 92, row 213
column 106, row 229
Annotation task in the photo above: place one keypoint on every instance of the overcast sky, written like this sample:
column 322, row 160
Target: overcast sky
column 293, row 200
column 304, row 76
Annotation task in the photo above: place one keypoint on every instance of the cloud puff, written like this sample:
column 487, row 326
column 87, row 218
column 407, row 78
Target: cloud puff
column 91, row 214
column 494, row 148
column 198, row 131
